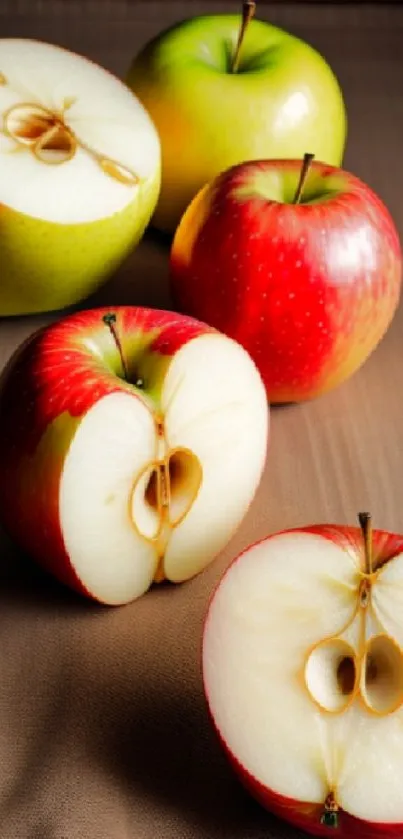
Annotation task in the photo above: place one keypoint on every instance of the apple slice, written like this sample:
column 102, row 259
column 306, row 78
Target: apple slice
column 131, row 443
column 79, row 175
column 303, row 673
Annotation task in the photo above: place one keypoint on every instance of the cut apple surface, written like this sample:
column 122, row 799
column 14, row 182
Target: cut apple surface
column 79, row 175
column 132, row 444
column 61, row 109
column 303, row 672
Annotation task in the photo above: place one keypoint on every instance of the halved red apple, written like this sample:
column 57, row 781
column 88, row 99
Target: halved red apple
column 303, row 673
column 131, row 444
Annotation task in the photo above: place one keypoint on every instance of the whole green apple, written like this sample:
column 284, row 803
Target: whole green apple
column 80, row 168
column 280, row 99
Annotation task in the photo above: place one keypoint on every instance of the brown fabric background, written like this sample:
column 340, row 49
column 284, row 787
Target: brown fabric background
column 103, row 726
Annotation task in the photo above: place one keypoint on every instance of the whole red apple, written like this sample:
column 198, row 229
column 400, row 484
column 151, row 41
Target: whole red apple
column 302, row 266
column 131, row 444
column 303, row 674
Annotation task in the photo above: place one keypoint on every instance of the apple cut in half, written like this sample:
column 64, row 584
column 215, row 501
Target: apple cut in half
column 303, row 673
column 132, row 442
column 79, row 175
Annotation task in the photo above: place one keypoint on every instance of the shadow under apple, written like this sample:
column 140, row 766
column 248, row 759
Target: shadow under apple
column 24, row 584
column 156, row 738
column 169, row 752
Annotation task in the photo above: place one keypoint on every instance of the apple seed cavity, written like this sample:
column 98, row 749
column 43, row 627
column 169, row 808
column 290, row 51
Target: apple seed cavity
column 331, row 675
column 382, row 676
column 169, row 487
column 45, row 134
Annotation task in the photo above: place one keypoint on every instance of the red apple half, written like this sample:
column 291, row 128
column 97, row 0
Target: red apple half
column 303, row 673
column 306, row 275
column 131, row 444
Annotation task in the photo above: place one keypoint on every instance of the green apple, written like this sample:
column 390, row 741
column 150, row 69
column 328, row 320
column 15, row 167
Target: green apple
column 80, row 172
column 280, row 101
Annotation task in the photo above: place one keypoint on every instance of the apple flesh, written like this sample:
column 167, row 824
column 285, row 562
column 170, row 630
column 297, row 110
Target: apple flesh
column 79, row 175
column 283, row 100
column 131, row 445
column 303, row 674
column 308, row 288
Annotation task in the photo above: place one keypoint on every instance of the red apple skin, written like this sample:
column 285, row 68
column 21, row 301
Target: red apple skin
column 309, row 289
column 305, row 814
column 52, row 380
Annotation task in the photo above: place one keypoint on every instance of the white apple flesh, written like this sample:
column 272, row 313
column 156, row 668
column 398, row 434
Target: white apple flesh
column 303, row 672
column 79, row 175
column 113, row 483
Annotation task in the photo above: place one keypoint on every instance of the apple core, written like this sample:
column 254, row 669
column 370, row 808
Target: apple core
column 357, row 662
column 169, row 488
column 45, row 134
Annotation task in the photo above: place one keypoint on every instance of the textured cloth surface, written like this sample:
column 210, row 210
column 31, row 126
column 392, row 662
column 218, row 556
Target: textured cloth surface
column 103, row 726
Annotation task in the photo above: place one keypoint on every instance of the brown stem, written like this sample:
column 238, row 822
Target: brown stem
column 248, row 12
column 110, row 321
column 306, row 165
column 366, row 527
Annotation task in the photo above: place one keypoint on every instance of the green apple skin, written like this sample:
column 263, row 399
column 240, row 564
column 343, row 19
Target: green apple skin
column 284, row 101
column 46, row 266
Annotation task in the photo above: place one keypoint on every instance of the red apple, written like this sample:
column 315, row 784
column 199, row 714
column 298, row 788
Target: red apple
column 303, row 268
column 303, row 674
column 131, row 445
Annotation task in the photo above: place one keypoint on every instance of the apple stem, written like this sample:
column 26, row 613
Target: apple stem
column 308, row 158
column 110, row 321
column 366, row 527
column 248, row 12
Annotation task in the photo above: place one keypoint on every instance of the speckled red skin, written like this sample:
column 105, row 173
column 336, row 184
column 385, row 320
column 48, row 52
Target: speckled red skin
column 56, row 376
column 308, row 290
column 304, row 814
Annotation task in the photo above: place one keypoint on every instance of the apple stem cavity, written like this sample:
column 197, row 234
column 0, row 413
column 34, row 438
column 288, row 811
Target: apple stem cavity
column 248, row 12
column 45, row 134
column 306, row 165
column 110, row 321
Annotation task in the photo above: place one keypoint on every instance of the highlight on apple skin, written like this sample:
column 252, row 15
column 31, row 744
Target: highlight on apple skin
column 308, row 284
column 80, row 172
column 279, row 99
column 302, row 661
column 132, row 442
